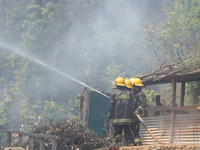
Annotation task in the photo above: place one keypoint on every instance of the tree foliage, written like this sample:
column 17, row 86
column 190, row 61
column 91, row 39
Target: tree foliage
column 91, row 42
column 178, row 36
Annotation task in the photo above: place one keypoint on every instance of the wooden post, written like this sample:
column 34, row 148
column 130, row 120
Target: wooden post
column 30, row 145
column 86, row 102
column 157, row 104
column 173, row 92
column 81, row 107
column 31, row 138
column 172, row 126
column 8, row 143
column 42, row 144
column 182, row 94
column 20, row 140
column 81, row 103
column 88, row 107
column 157, row 100
column 53, row 143
column 85, row 107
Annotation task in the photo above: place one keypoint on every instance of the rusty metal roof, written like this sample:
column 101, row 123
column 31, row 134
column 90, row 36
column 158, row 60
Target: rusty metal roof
column 187, row 129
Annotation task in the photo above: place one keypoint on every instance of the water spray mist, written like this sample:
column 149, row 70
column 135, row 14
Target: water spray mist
column 47, row 66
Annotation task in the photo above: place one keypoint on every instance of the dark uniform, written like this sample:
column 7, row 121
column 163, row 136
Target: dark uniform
column 139, row 106
column 121, row 111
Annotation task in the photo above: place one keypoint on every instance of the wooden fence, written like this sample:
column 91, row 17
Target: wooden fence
column 31, row 136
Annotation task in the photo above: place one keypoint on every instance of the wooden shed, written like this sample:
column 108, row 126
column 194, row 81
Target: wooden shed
column 182, row 128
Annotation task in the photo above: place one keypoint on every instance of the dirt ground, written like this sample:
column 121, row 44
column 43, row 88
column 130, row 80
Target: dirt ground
column 161, row 147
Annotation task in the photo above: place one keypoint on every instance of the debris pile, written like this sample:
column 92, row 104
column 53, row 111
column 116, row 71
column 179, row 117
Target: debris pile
column 71, row 135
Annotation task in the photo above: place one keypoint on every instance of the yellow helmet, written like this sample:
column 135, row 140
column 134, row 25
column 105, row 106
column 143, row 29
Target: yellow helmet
column 128, row 83
column 136, row 81
column 120, row 81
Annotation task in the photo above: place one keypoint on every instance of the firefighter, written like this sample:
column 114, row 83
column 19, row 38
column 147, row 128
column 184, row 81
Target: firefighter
column 139, row 107
column 128, row 84
column 130, row 88
column 121, row 112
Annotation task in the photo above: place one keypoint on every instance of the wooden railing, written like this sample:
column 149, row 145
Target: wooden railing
column 31, row 136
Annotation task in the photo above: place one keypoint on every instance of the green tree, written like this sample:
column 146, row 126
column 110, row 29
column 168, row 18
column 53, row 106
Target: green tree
column 178, row 37
column 36, row 32
column 14, row 25
column 53, row 111
column 150, row 97
column 40, row 30
column 3, row 121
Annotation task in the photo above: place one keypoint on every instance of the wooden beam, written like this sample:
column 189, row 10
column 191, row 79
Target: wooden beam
column 42, row 144
column 157, row 100
column 81, row 97
column 81, row 103
column 30, row 143
column 88, row 108
column 173, row 92
column 182, row 94
column 163, row 108
column 20, row 140
column 83, row 91
column 85, row 107
column 8, row 143
column 53, row 143
column 29, row 134
column 157, row 104
column 81, row 107
column 173, row 117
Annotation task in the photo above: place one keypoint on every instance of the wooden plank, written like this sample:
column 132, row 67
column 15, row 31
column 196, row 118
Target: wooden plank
column 54, row 143
column 42, row 144
column 157, row 104
column 163, row 108
column 30, row 143
column 182, row 94
column 86, row 107
column 171, row 135
column 14, row 148
column 20, row 140
column 8, row 143
column 157, row 100
column 81, row 102
column 83, row 91
column 173, row 92
column 30, row 134
column 81, row 107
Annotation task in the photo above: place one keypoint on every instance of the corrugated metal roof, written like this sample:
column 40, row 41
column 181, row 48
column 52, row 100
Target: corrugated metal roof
column 187, row 129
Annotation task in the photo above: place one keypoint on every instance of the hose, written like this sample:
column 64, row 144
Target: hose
column 148, row 130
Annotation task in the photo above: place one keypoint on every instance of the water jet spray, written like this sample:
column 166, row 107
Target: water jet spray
column 47, row 66
column 61, row 73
